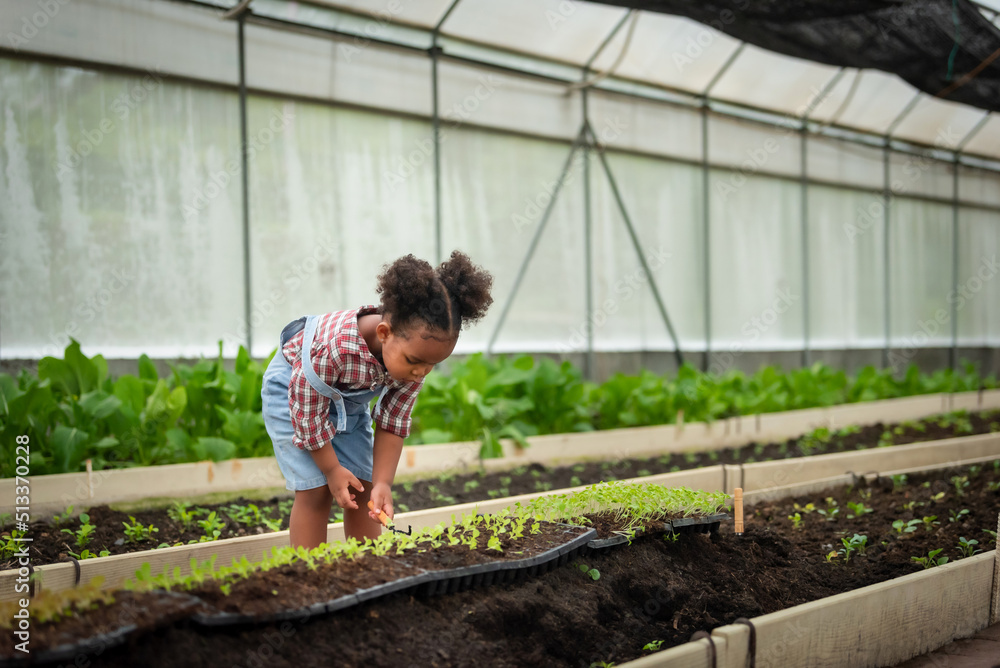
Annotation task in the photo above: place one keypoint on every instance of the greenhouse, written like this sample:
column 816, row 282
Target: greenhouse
column 726, row 281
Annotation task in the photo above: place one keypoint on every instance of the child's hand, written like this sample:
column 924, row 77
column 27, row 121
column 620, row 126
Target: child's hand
column 382, row 500
column 340, row 482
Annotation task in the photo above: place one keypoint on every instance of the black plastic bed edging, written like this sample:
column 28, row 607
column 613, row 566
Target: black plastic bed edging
column 423, row 583
column 97, row 644
column 701, row 524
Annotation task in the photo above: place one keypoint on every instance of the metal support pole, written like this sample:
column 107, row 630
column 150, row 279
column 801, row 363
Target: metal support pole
column 588, row 224
column 534, row 240
column 707, row 226
column 435, row 51
column 245, row 179
column 804, row 194
column 886, row 206
column 436, row 130
column 678, row 355
column 953, row 352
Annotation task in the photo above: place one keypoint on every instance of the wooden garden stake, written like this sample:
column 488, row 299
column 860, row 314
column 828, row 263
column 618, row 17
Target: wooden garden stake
column 90, row 479
column 680, row 423
column 738, row 508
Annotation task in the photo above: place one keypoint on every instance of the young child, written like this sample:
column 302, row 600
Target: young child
column 319, row 385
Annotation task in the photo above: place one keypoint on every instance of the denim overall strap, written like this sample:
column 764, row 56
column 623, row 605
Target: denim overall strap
column 314, row 379
column 378, row 404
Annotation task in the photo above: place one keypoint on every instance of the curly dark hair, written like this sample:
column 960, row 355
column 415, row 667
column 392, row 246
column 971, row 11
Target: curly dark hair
column 456, row 293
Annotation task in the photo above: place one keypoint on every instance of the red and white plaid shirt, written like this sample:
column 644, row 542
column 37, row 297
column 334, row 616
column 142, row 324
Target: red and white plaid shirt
column 341, row 359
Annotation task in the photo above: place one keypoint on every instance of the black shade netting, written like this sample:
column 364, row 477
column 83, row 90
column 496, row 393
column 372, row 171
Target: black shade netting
column 946, row 48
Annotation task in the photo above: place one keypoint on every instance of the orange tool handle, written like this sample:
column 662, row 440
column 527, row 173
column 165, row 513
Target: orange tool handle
column 381, row 514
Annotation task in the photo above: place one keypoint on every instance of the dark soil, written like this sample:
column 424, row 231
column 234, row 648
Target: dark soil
column 50, row 544
column 650, row 590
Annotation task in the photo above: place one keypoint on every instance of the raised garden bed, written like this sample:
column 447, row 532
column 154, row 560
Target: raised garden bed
column 179, row 525
column 654, row 591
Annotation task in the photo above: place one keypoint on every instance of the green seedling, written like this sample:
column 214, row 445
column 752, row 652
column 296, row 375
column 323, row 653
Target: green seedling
column 653, row 646
column 968, row 547
column 991, row 534
column 84, row 533
column 930, row 521
column 956, row 516
column 830, row 556
column 857, row 543
column 931, row 560
column 470, row 485
column 806, row 509
column 832, row 510
column 285, row 506
column 575, row 481
column 993, row 486
column 248, row 514
column 961, row 483
column 87, row 554
column 60, row 519
column 902, row 526
column 212, row 527
column 178, row 512
column 592, row 573
column 542, row 486
column 898, row 482
column 9, row 545
column 135, row 532
column 857, row 510
column 937, row 497
column 796, row 520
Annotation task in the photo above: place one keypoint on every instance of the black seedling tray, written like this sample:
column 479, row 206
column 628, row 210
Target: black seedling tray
column 702, row 524
column 425, row 583
column 97, row 644
column 501, row 572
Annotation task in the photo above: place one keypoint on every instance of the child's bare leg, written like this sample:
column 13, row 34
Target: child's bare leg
column 310, row 515
column 357, row 523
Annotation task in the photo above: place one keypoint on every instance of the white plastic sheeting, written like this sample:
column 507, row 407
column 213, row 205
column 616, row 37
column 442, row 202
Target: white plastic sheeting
column 96, row 172
column 338, row 191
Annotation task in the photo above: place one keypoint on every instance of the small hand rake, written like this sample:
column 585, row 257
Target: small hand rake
column 387, row 523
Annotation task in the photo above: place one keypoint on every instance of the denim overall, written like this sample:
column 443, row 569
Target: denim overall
column 348, row 411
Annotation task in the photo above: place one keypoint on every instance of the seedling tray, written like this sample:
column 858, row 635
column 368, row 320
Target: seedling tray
column 501, row 572
column 426, row 582
column 702, row 524
column 326, row 607
column 96, row 644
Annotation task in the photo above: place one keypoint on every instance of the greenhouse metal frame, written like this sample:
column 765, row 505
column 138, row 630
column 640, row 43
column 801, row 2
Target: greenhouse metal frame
column 346, row 23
